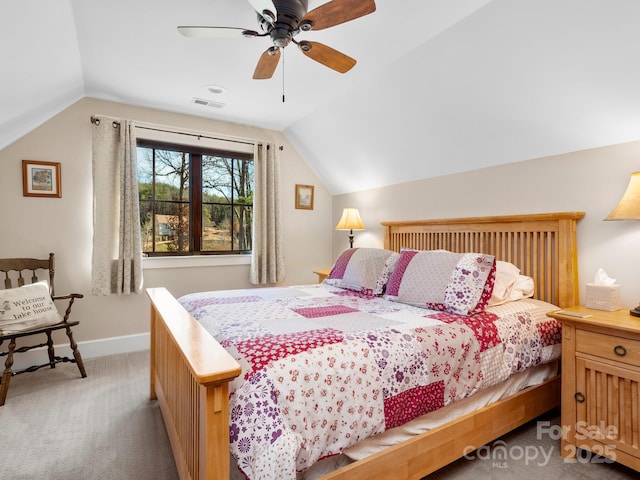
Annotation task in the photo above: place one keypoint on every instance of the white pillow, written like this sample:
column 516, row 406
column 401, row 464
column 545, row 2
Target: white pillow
column 506, row 277
column 523, row 288
column 27, row 307
column 510, row 285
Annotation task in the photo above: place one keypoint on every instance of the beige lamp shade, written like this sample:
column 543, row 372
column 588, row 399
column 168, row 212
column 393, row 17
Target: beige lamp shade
column 350, row 220
column 629, row 206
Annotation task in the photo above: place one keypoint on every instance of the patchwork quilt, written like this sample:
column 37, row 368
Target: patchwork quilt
column 325, row 367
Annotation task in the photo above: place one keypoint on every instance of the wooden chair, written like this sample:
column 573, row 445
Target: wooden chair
column 13, row 269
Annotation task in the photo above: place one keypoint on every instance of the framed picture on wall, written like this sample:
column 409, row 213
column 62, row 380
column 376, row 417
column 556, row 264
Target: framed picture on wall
column 304, row 197
column 41, row 179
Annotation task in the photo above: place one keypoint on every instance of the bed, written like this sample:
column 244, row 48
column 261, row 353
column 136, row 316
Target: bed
column 191, row 372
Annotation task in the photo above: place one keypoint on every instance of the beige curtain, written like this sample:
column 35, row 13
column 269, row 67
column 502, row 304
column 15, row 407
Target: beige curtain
column 267, row 261
column 117, row 248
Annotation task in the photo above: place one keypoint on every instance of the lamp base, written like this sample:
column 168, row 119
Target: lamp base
column 635, row 312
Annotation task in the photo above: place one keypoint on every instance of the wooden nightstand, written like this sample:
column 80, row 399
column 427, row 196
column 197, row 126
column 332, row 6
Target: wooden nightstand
column 322, row 274
column 601, row 385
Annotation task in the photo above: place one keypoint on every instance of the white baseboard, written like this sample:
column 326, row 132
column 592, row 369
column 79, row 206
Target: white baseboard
column 88, row 349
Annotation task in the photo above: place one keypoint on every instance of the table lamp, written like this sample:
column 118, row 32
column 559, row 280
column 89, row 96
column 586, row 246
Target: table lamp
column 629, row 209
column 350, row 221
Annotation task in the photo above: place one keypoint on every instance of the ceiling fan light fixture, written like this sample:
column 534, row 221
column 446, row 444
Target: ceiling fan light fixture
column 305, row 25
column 269, row 16
column 304, row 46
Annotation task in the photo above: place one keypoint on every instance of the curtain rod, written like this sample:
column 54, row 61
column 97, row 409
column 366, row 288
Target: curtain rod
column 116, row 124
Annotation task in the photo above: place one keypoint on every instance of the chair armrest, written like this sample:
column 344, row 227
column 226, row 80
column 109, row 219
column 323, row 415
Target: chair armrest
column 71, row 297
column 68, row 296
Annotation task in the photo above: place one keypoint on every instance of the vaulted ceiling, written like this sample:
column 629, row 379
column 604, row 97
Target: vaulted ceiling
column 440, row 86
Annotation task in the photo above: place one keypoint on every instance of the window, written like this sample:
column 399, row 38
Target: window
column 194, row 200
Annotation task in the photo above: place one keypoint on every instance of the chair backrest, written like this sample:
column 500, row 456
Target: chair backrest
column 18, row 271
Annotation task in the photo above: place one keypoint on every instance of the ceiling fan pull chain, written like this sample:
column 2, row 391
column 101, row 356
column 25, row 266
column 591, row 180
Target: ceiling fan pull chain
column 283, row 75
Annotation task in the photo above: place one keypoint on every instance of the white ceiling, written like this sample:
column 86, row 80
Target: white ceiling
column 440, row 87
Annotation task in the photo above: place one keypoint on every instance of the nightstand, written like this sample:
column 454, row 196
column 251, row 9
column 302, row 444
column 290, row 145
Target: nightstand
column 600, row 385
column 322, row 274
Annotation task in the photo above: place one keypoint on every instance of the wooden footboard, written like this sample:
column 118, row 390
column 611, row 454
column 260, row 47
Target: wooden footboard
column 190, row 375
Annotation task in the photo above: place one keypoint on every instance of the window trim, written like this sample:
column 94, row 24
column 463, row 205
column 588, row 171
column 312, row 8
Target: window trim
column 194, row 261
column 199, row 151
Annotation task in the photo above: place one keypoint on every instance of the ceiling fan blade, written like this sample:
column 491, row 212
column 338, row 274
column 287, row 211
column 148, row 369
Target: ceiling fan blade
column 336, row 12
column 216, row 32
column 267, row 64
column 266, row 9
column 327, row 56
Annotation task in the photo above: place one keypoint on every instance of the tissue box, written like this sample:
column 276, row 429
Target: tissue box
column 602, row 297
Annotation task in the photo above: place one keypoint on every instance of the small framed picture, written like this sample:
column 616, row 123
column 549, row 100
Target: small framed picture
column 41, row 179
column 304, row 197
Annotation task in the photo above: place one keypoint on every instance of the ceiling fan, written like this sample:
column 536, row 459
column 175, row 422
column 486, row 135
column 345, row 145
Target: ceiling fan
column 282, row 20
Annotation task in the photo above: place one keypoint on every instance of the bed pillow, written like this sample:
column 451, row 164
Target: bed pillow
column 364, row 270
column 458, row 283
column 523, row 288
column 510, row 286
column 383, row 278
column 506, row 277
column 26, row 307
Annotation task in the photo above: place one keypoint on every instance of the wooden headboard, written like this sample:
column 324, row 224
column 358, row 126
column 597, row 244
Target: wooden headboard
column 542, row 245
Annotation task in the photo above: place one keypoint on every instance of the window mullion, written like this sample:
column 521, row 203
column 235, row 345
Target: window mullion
column 153, row 199
column 196, row 201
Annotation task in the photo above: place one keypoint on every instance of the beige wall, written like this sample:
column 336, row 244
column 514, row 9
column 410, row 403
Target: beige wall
column 35, row 226
column 591, row 181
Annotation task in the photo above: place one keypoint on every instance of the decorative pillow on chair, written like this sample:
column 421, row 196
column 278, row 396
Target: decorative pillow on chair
column 26, row 307
column 363, row 270
column 458, row 283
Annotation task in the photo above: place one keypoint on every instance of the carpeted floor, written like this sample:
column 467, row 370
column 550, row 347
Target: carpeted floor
column 58, row 426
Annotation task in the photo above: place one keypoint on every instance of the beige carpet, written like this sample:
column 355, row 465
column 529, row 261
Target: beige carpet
column 58, row 426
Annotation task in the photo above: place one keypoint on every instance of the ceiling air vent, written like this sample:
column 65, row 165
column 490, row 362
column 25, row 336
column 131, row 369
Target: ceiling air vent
column 207, row 103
